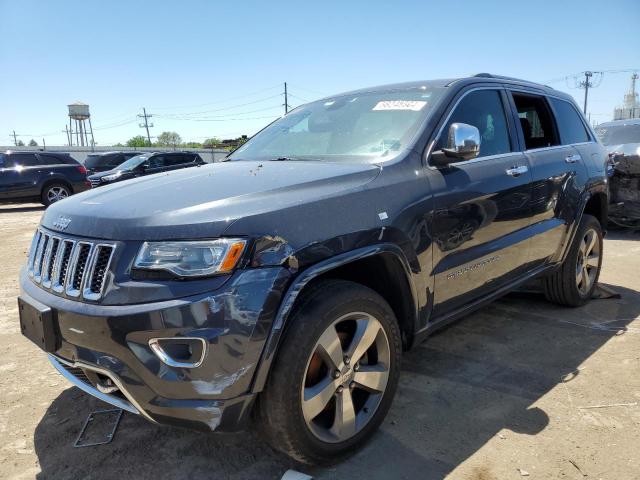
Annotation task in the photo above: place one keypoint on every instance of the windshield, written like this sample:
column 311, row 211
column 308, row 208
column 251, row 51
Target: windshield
column 364, row 127
column 132, row 163
column 619, row 134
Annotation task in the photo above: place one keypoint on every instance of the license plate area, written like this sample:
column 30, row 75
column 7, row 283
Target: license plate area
column 37, row 323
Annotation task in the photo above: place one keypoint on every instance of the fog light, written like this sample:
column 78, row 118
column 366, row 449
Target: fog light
column 180, row 352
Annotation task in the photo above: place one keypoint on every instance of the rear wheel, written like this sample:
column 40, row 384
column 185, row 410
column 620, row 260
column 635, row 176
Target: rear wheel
column 335, row 375
column 574, row 282
column 54, row 193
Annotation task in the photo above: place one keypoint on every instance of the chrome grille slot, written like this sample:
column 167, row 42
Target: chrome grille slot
column 49, row 261
column 68, row 267
column 40, row 254
column 97, row 271
column 62, row 264
column 77, row 267
column 32, row 252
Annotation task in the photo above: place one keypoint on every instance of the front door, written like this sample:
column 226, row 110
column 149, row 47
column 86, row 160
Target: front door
column 481, row 206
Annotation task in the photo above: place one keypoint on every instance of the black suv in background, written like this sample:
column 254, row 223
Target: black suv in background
column 43, row 176
column 146, row 164
column 287, row 280
column 103, row 161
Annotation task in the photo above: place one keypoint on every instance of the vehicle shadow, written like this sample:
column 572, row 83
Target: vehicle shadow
column 457, row 391
column 10, row 208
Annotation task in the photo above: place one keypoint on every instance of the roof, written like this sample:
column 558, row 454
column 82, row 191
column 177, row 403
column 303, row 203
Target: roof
column 447, row 82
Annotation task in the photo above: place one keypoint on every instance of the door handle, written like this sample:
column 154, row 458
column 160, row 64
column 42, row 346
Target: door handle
column 572, row 158
column 517, row 171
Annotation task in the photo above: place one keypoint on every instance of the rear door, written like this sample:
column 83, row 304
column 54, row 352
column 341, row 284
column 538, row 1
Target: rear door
column 557, row 172
column 481, row 205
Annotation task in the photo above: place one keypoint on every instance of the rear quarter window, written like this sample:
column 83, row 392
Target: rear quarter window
column 569, row 123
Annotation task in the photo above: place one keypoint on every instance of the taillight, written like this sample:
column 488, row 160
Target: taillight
column 82, row 169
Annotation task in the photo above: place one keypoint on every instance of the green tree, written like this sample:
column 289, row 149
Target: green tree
column 33, row 143
column 192, row 145
column 169, row 139
column 212, row 142
column 20, row 143
column 138, row 141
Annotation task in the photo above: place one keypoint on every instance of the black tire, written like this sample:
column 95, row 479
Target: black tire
column 561, row 286
column 48, row 195
column 280, row 412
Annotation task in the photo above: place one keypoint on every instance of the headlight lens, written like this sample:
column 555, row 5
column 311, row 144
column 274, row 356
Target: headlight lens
column 109, row 178
column 191, row 259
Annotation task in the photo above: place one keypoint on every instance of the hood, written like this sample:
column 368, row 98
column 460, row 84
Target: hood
column 201, row 202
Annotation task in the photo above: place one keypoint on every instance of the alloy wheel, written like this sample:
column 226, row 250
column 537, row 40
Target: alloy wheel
column 346, row 377
column 55, row 194
column 588, row 261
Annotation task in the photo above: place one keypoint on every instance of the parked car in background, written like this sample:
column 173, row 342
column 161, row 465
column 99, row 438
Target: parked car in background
column 103, row 161
column 46, row 177
column 146, row 164
column 622, row 140
column 282, row 285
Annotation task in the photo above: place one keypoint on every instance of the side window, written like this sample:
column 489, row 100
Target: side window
column 536, row 121
column 484, row 110
column 5, row 161
column 177, row 159
column 25, row 159
column 114, row 160
column 569, row 123
column 157, row 161
column 46, row 159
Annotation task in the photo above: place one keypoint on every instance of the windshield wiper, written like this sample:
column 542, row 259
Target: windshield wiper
column 282, row 159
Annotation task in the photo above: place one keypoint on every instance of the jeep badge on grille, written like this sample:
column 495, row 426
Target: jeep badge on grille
column 61, row 223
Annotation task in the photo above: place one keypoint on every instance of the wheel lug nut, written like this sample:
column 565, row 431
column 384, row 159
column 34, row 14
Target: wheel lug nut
column 336, row 374
column 347, row 360
column 356, row 367
column 352, row 385
column 340, row 389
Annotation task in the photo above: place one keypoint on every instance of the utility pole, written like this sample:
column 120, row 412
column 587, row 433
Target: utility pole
column 66, row 129
column 146, row 123
column 286, row 99
column 586, row 84
column 15, row 140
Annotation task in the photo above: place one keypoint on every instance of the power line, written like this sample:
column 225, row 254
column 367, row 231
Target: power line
column 246, row 95
column 234, row 114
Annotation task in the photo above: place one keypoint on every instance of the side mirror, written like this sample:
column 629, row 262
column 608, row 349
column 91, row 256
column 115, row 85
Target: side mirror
column 463, row 143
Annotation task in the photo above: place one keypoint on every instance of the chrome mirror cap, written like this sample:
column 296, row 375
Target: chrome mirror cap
column 463, row 142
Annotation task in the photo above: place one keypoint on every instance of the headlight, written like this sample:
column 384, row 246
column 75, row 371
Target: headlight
column 191, row 259
column 109, row 178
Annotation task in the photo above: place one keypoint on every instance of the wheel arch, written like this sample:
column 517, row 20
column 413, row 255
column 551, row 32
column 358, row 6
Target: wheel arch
column 360, row 265
column 53, row 180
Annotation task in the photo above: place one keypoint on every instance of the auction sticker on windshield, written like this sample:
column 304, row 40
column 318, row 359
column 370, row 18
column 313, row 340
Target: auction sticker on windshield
column 414, row 105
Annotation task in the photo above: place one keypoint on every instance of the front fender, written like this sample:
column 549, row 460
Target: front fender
column 298, row 285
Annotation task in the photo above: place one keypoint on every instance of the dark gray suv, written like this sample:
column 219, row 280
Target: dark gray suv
column 282, row 285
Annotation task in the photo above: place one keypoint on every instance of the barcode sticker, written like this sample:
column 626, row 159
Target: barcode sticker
column 414, row 105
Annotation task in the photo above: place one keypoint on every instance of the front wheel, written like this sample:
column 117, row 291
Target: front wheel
column 574, row 282
column 335, row 375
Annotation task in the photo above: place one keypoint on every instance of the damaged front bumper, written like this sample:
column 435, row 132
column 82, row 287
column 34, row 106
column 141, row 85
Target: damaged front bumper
column 212, row 345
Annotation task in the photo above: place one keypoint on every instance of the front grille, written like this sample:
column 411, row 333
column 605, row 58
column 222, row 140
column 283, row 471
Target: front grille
column 64, row 265
column 95, row 182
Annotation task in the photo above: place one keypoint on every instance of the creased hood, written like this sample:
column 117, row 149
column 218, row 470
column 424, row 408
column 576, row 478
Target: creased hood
column 200, row 202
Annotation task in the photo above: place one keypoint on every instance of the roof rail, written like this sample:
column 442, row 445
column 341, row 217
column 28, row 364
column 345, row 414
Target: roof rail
column 503, row 77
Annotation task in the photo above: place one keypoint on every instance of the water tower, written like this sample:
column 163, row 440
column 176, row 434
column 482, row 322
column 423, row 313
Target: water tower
column 79, row 112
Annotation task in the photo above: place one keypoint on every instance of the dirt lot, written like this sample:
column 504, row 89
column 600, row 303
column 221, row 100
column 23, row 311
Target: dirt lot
column 520, row 387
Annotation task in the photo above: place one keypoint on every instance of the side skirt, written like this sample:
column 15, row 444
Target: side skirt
column 441, row 322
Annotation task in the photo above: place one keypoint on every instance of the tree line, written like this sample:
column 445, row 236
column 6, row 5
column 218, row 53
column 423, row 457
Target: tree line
column 174, row 140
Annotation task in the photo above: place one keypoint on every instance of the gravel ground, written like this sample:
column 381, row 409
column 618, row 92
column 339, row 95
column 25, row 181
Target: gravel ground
column 520, row 389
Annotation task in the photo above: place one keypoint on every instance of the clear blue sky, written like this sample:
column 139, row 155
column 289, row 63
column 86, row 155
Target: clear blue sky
column 229, row 59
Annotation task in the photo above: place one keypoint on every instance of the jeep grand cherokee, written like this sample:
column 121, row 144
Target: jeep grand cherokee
column 283, row 285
